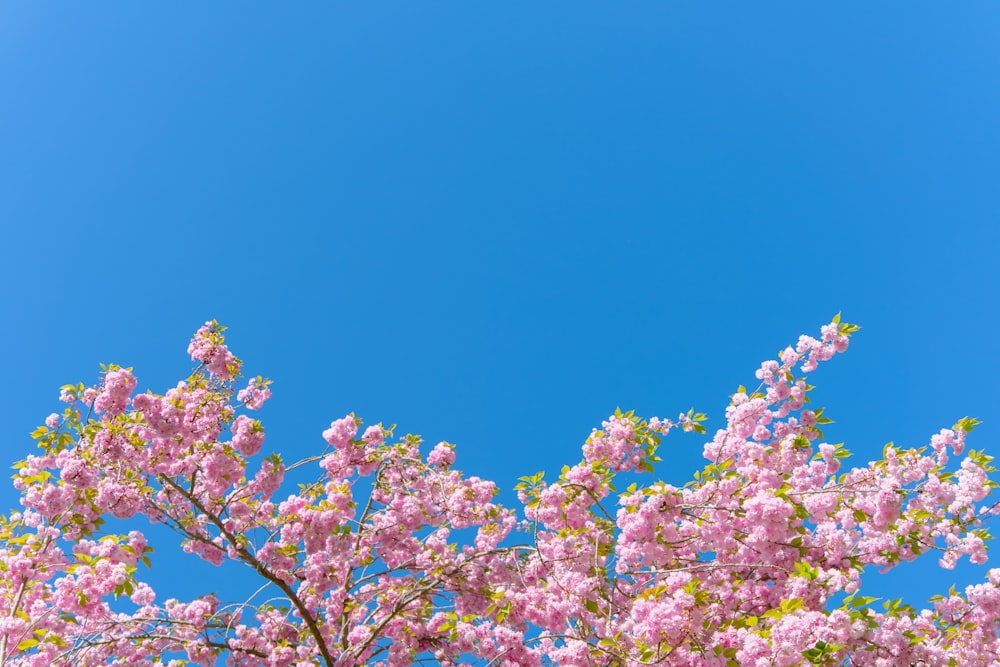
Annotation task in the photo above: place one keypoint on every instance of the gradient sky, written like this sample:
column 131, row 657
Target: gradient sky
column 494, row 223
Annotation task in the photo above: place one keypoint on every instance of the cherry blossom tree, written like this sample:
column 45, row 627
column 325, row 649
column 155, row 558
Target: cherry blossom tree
column 392, row 557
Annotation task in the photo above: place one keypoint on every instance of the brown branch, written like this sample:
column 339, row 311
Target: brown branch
column 263, row 571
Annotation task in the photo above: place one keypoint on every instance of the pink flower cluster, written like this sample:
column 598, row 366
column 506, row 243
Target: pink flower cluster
column 115, row 392
column 255, row 393
column 207, row 347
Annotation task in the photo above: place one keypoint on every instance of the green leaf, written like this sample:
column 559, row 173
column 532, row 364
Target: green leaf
column 966, row 424
column 846, row 329
column 862, row 601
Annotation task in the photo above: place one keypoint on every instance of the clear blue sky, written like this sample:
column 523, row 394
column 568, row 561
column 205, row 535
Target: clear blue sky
column 494, row 223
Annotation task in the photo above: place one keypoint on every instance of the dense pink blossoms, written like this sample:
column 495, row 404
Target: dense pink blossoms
column 393, row 558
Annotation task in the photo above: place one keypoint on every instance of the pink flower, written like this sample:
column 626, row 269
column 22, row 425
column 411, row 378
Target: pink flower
column 373, row 437
column 206, row 346
column 443, row 454
column 254, row 395
column 248, row 435
column 341, row 431
column 114, row 395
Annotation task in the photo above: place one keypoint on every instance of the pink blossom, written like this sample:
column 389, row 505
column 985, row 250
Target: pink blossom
column 254, row 394
column 341, row 431
column 206, row 346
column 248, row 435
column 114, row 395
column 373, row 436
column 443, row 454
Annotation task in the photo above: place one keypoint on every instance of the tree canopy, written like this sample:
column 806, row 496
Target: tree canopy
column 393, row 557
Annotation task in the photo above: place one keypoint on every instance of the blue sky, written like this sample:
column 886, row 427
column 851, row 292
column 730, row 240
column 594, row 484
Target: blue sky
column 493, row 224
